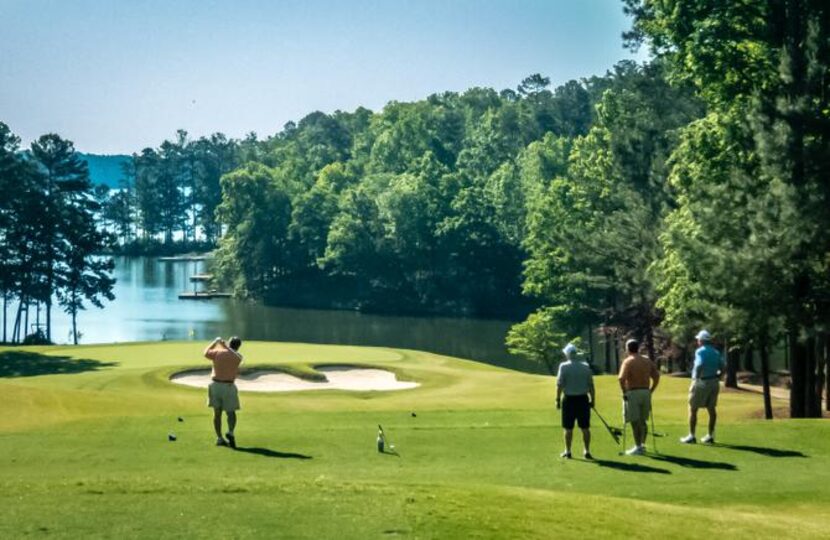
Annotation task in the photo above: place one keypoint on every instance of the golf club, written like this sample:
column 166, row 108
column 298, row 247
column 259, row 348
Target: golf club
column 624, row 429
column 614, row 432
column 622, row 450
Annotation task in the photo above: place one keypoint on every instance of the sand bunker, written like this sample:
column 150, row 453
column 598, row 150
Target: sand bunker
column 338, row 378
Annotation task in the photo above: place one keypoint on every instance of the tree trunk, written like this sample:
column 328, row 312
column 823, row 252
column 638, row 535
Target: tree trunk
column 827, row 373
column 798, row 364
column 749, row 359
column 5, row 307
column 50, row 282
column 26, row 322
column 812, row 403
column 591, row 344
column 764, row 348
column 17, row 318
column 821, row 361
column 75, row 326
column 616, row 352
column 652, row 354
column 802, row 358
column 732, row 361
column 49, row 317
column 684, row 358
column 607, row 335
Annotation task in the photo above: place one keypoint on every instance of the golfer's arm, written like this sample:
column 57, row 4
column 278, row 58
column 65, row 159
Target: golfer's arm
column 558, row 393
column 622, row 376
column 697, row 367
column 210, row 347
column 655, row 379
column 592, row 393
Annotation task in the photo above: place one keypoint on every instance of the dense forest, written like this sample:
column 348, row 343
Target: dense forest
column 421, row 207
column 687, row 192
column 166, row 198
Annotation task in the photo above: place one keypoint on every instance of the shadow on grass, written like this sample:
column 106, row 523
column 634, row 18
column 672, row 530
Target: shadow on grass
column 630, row 467
column 30, row 364
column 693, row 463
column 267, row 452
column 769, row 452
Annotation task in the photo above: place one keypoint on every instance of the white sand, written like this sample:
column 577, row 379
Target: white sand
column 339, row 378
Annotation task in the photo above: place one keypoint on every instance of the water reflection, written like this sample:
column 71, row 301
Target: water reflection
column 147, row 308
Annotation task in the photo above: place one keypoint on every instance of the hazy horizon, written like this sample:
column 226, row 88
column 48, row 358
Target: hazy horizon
column 118, row 78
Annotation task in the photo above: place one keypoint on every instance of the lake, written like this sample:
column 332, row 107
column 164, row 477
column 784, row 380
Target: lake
column 147, row 308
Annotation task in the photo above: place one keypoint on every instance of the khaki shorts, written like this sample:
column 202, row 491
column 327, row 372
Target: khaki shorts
column 704, row 393
column 223, row 396
column 637, row 407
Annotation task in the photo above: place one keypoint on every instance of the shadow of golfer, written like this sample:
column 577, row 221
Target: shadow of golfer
column 769, row 452
column 267, row 452
column 30, row 364
column 630, row 467
column 693, row 463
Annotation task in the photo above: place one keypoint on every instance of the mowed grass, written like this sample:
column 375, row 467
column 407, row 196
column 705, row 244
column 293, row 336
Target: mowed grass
column 83, row 443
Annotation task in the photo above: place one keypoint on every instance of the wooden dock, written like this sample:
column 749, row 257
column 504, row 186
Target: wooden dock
column 203, row 295
column 187, row 257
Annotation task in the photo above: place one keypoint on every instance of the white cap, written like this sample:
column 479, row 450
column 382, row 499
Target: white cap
column 704, row 335
column 569, row 350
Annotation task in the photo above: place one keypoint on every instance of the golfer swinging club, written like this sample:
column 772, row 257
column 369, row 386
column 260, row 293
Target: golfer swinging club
column 222, row 392
column 576, row 381
column 703, row 392
column 639, row 378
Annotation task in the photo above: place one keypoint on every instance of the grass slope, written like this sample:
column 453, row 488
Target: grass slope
column 85, row 454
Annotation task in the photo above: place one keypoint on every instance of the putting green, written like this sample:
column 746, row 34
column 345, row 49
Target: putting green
column 85, row 454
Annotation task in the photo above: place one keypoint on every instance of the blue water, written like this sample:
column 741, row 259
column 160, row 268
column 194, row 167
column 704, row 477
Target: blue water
column 147, row 308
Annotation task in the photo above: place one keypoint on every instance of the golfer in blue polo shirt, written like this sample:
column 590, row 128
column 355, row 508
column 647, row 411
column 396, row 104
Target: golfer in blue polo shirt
column 576, row 381
column 705, row 387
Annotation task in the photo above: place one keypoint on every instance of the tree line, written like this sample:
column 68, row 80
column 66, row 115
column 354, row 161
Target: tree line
column 690, row 191
column 746, row 247
column 673, row 215
column 418, row 208
column 167, row 196
column 49, row 237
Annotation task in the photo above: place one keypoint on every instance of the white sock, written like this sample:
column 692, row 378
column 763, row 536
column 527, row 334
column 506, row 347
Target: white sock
column 230, row 432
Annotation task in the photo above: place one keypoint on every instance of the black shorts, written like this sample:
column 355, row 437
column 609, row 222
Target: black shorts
column 575, row 409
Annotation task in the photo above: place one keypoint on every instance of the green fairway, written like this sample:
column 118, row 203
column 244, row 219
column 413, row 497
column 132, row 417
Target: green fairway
column 85, row 454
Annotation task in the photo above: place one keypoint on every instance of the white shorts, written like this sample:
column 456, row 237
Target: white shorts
column 224, row 396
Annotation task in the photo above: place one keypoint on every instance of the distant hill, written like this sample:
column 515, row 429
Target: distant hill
column 105, row 169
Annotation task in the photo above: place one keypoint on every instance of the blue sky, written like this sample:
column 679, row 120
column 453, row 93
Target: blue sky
column 116, row 76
